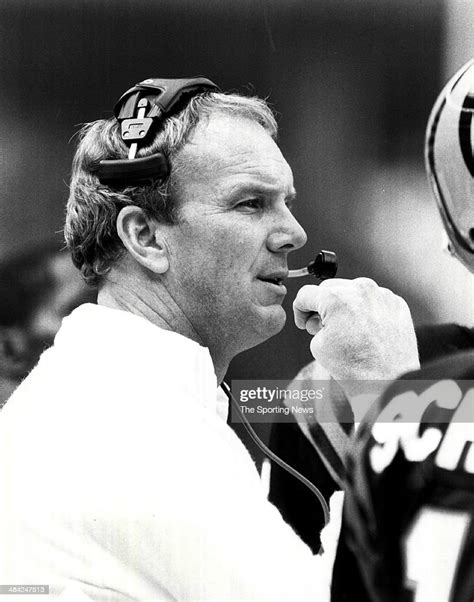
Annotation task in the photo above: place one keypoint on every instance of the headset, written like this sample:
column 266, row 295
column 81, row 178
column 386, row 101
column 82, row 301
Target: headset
column 141, row 111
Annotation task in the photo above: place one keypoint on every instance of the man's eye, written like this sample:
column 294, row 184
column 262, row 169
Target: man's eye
column 250, row 204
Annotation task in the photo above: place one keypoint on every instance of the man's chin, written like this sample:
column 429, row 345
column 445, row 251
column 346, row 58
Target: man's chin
column 264, row 324
column 273, row 320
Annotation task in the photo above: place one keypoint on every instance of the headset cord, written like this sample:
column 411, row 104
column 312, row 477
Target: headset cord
column 272, row 456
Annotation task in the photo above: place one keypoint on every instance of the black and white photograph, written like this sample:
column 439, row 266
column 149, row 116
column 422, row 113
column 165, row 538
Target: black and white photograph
column 237, row 300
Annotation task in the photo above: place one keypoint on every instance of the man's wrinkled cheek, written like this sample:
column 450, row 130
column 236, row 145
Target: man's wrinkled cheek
column 231, row 254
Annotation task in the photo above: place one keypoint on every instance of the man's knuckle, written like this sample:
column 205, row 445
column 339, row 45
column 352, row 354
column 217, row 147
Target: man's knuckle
column 305, row 293
column 366, row 284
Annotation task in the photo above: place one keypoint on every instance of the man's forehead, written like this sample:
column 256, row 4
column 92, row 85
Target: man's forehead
column 233, row 147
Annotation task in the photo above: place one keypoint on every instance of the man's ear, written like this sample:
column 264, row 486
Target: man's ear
column 142, row 238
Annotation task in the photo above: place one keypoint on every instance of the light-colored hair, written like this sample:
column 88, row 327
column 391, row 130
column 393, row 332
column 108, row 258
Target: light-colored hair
column 92, row 208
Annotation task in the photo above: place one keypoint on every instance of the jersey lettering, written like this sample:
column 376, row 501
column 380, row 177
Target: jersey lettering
column 398, row 425
column 460, row 433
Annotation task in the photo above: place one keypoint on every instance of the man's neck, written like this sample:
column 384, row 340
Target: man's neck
column 160, row 309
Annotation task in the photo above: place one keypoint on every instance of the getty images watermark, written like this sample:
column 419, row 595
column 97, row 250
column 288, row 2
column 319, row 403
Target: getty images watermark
column 404, row 401
column 276, row 401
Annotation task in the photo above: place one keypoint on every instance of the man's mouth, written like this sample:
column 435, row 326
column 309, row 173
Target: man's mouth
column 276, row 278
column 277, row 281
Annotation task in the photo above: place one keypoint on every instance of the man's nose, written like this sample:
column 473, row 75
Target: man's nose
column 288, row 234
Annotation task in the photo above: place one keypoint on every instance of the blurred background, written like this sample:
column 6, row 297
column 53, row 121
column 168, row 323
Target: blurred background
column 352, row 81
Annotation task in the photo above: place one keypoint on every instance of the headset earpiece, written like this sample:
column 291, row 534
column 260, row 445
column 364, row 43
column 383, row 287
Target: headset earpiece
column 140, row 111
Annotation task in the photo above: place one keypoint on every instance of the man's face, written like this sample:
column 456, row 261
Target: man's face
column 228, row 253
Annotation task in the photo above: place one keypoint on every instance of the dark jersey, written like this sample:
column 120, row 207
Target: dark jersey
column 298, row 505
column 409, row 507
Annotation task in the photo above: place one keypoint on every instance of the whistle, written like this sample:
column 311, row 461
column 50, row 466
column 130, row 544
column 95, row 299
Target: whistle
column 323, row 267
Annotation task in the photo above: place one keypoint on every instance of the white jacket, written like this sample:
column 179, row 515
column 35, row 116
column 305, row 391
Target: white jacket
column 120, row 479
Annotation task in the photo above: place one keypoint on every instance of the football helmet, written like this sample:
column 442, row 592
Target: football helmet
column 449, row 157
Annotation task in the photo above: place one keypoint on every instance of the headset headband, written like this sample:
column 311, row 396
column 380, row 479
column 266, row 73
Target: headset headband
column 140, row 111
